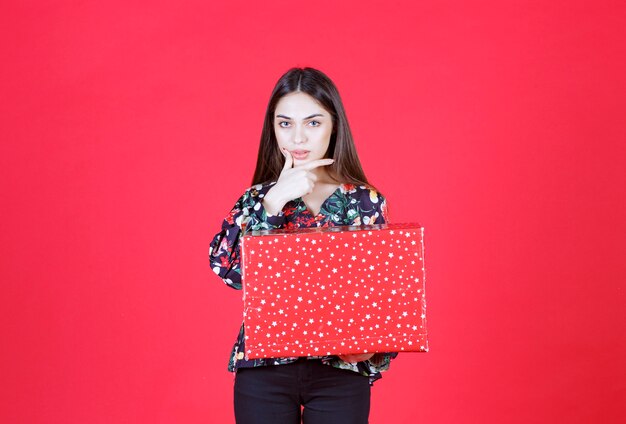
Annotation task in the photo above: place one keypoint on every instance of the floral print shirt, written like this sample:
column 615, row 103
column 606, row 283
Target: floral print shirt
column 349, row 204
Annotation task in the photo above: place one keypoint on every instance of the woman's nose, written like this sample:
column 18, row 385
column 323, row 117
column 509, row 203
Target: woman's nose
column 299, row 135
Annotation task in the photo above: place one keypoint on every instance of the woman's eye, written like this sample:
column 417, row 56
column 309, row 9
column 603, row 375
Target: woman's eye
column 315, row 123
column 283, row 124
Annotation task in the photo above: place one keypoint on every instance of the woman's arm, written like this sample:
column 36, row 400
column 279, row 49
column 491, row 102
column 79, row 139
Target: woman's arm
column 224, row 251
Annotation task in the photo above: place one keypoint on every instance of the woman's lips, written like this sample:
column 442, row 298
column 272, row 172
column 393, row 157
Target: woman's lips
column 300, row 154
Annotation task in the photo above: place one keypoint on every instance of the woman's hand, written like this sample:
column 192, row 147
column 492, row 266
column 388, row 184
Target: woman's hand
column 356, row 358
column 292, row 183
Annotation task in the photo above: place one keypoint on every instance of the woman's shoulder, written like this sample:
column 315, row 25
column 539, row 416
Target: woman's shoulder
column 371, row 204
column 361, row 191
column 255, row 193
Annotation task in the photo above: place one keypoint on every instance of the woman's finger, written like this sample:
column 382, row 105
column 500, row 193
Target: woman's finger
column 288, row 158
column 356, row 357
column 314, row 164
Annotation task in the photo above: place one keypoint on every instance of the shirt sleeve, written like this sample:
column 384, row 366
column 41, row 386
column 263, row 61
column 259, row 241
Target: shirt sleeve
column 224, row 251
column 373, row 207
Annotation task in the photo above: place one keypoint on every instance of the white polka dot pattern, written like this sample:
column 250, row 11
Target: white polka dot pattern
column 335, row 290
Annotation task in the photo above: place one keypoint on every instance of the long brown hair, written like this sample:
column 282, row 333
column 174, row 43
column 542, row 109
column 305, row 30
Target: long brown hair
column 347, row 167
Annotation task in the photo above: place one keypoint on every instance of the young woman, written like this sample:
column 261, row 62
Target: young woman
column 307, row 175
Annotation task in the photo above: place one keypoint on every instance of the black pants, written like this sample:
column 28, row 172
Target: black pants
column 276, row 394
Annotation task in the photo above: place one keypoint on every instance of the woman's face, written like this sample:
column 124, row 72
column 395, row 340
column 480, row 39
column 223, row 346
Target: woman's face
column 303, row 127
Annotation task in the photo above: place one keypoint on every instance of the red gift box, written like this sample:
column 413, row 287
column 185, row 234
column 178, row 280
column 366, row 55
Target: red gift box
column 334, row 290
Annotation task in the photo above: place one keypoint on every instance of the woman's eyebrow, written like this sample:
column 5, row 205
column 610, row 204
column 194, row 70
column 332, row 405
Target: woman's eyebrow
column 308, row 117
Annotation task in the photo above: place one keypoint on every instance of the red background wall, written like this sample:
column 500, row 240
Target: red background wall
column 130, row 128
